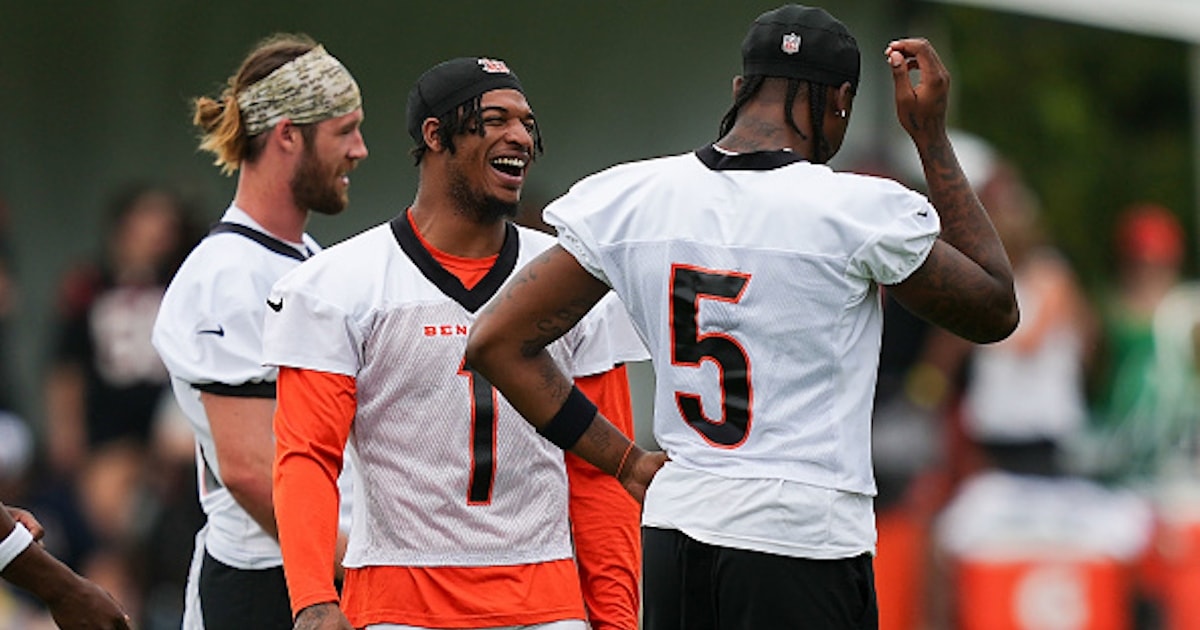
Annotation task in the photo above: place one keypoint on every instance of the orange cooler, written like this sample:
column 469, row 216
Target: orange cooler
column 1046, row 593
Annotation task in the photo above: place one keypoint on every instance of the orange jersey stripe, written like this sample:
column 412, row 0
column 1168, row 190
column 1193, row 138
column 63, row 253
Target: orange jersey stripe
column 463, row 597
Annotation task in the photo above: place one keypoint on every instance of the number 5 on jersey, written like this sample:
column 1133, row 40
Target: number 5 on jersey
column 690, row 285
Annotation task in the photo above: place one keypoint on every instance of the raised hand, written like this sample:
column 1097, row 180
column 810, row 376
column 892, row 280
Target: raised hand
column 920, row 106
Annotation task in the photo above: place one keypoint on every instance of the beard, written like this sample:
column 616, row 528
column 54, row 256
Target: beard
column 315, row 186
column 479, row 207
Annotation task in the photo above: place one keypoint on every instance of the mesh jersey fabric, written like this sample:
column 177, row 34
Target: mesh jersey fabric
column 754, row 280
column 372, row 309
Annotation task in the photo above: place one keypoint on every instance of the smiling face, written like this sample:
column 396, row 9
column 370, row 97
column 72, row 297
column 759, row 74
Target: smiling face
column 486, row 172
column 332, row 149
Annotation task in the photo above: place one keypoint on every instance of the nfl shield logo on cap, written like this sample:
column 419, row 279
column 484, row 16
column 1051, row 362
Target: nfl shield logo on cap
column 791, row 43
column 493, row 66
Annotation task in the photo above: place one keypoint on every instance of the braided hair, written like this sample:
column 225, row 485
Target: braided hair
column 816, row 107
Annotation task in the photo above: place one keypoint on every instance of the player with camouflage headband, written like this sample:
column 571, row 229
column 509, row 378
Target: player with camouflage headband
column 288, row 123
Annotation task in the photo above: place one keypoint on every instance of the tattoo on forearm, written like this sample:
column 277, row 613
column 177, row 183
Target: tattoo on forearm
column 314, row 616
column 553, row 380
column 553, row 327
column 599, row 440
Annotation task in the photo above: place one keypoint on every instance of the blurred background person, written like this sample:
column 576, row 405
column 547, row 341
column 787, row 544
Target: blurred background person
column 1024, row 516
column 1146, row 398
column 106, row 381
column 109, row 479
column 1134, row 420
column 1025, row 397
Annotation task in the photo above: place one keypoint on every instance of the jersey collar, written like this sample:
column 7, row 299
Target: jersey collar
column 470, row 299
column 718, row 160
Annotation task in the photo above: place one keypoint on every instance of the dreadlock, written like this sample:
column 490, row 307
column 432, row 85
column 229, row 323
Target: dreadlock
column 749, row 88
column 816, row 107
column 816, row 114
column 467, row 118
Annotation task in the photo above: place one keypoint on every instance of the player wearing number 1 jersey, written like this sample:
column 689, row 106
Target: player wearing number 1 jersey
column 753, row 271
column 461, row 516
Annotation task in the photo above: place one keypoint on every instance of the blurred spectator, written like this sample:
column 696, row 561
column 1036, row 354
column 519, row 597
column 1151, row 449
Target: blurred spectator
column 1137, row 418
column 1147, row 402
column 116, row 471
column 1049, row 546
column 1026, row 396
column 968, row 441
column 106, row 381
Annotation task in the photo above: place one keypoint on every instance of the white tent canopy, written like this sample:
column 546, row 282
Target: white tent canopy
column 1174, row 19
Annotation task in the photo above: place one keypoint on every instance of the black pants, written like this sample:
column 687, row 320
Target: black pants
column 689, row 585
column 240, row 599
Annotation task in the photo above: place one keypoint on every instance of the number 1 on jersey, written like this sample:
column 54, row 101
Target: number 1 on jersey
column 483, row 437
column 689, row 348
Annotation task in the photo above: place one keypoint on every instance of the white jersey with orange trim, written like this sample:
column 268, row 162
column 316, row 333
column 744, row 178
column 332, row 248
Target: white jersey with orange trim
column 451, row 474
column 754, row 280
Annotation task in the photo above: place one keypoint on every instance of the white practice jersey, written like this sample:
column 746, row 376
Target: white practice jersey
column 450, row 474
column 209, row 335
column 754, row 281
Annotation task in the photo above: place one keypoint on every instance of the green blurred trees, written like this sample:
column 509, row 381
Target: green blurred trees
column 1096, row 120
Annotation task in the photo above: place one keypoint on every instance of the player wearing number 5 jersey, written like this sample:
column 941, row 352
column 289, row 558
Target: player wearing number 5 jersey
column 753, row 271
column 461, row 518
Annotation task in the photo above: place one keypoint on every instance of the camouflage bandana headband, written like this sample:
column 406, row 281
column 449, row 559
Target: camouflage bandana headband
column 310, row 88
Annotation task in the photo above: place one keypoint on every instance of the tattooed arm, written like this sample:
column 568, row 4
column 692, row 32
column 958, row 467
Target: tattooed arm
column 508, row 347
column 325, row 616
column 965, row 285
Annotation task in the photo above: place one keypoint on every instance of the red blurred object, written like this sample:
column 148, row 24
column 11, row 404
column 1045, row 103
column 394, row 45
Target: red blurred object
column 1149, row 233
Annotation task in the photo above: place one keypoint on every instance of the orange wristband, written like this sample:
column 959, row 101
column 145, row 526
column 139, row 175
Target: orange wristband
column 621, row 466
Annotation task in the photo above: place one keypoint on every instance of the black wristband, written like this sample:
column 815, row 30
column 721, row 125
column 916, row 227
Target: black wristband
column 575, row 416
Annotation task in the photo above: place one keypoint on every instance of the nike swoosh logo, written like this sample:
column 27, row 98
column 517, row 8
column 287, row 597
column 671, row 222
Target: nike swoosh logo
column 275, row 306
column 218, row 331
column 923, row 213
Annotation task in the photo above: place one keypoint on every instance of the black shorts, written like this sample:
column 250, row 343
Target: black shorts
column 690, row 585
column 243, row 599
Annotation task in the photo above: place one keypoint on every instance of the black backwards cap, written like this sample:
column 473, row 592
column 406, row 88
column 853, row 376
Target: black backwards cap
column 452, row 83
column 799, row 42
